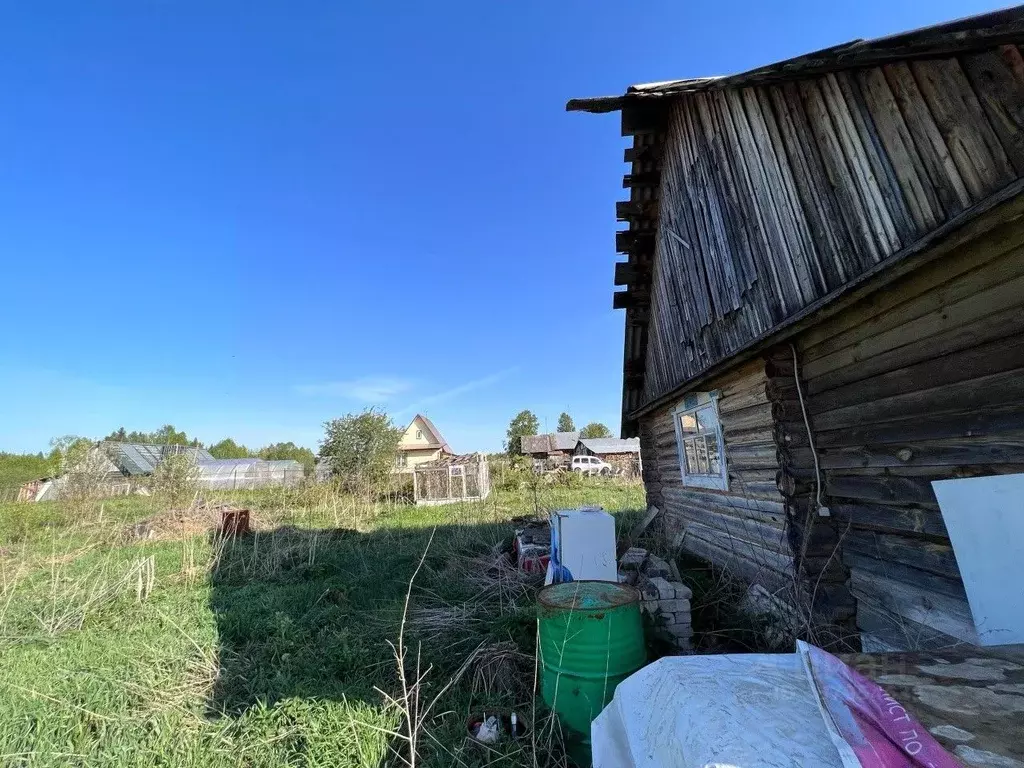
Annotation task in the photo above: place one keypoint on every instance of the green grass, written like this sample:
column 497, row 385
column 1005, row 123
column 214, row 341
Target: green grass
column 270, row 650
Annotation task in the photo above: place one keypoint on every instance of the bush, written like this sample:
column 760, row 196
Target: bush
column 176, row 478
column 360, row 450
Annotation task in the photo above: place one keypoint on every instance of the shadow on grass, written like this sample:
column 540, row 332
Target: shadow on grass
column 309, row 613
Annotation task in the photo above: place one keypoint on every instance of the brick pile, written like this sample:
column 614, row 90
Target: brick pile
column 664, row 597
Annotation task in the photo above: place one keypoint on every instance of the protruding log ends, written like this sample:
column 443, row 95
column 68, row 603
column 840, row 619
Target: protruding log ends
column 630, row 273
column 630, row 299
column 635, row 241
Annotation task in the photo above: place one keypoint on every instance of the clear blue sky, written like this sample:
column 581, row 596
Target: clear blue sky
column 245, row 218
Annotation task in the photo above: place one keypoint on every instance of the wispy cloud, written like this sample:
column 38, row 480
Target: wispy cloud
column 456, row 391
column 370, row 389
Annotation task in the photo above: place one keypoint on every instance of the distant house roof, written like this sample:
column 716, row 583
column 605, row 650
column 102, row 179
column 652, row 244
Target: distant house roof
column 565, row 441
column 551, row 441
column 143, row 458
column 438, row 440
column 535, row 444
column 605, row 445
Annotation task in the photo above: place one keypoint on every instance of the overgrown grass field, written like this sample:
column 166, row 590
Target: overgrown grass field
column 165, row 645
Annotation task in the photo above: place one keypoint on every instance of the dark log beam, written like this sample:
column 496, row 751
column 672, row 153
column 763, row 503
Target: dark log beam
column 630, row 300
column 650, row 179
column 632, row 273
column 630, row 210
column 652, row 152
column 635, row 241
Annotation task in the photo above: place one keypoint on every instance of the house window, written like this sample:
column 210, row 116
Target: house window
column 419, row 434
column 699, row 441
column 401, row 459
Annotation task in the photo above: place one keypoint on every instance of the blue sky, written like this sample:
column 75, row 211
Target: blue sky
column 245, row 218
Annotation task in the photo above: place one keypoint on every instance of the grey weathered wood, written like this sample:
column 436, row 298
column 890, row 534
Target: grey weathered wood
column 751, row 531
column 754, row 553
column 783, row 206
column 891, row 519
column 774, row 246
column 1001, row 95
column 885, row 177
column 966, row 422
column 971, row 333
column 879, row 488
column 999, row 388
column 1005, row 448
column 862, row 178
column 918, row 192
column 899, row 631
column 966, row 364
column 942, row 171
column 912, row 601
column 942, row 585
column 876, row 311
column 973, row 144
column 759, row 509
column 858, row 222
column 926, row 556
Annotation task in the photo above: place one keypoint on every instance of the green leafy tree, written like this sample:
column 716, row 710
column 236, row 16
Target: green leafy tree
column 289, row 450
column 524, row 424
column 229, row 449
column 595, row 429
column 565, row 423
column 360, row 449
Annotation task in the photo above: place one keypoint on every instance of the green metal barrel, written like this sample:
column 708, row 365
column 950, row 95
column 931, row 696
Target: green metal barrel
column 591, row 639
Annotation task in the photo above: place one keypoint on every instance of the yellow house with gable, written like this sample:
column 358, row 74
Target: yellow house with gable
column 421, row 442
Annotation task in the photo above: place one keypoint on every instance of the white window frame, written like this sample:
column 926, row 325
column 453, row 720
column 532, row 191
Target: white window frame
column 419, row 434
column 693, row 402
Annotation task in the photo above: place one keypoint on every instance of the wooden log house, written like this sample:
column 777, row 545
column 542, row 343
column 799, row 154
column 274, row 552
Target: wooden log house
column 824, row 303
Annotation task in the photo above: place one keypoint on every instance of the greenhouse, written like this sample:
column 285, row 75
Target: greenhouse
column 245, row 474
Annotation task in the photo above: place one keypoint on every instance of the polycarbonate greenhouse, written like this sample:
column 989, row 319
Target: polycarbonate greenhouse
column 244, row 474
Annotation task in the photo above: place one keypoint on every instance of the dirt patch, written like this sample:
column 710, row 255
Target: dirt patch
column 180, row 524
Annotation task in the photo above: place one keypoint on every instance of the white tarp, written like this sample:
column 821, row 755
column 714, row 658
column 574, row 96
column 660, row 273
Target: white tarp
column 727, row 710
column 759, row 711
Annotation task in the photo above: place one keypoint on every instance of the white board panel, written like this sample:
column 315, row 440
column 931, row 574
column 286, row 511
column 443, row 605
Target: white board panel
column 985, row 520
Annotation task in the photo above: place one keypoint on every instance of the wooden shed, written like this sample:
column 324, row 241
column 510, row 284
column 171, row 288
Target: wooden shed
column 824, row 304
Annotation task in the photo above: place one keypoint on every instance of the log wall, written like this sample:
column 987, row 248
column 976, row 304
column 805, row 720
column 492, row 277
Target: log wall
column 744, row 528
column 758, row 201
column 921, row 381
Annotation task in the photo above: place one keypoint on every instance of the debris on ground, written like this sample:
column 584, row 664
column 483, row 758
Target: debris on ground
column 488, row 731
column 532, row 546
column 179, row 524
column 664, row 596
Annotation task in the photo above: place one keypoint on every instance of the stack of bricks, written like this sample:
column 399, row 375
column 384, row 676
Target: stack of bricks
column 664, row 597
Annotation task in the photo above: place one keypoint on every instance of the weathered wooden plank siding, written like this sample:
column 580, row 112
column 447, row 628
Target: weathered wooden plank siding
column 770, row 197
column 745, row 527
column 921, row 381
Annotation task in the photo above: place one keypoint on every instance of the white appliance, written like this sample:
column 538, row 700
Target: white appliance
column 583, row 545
